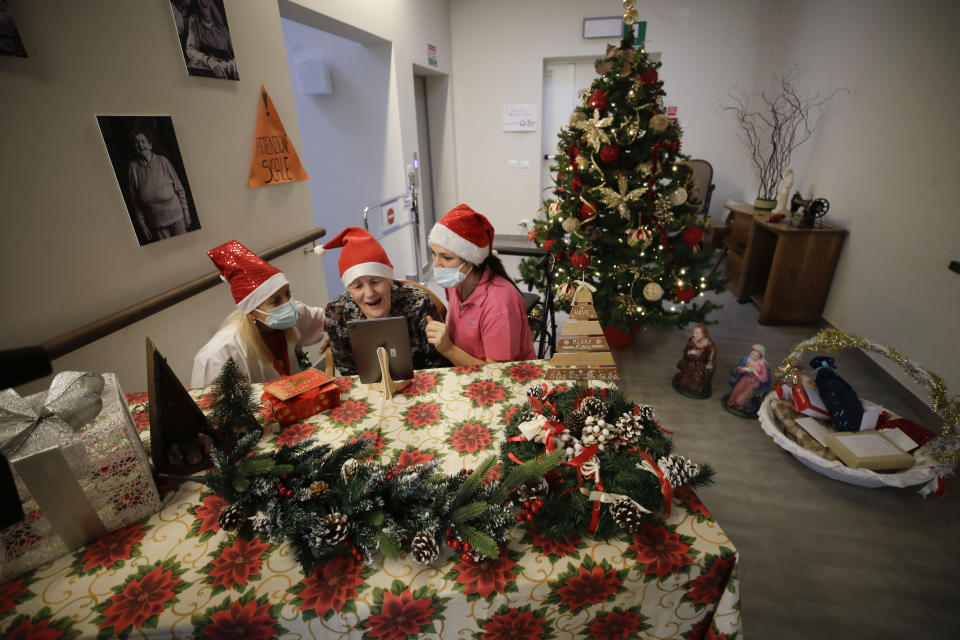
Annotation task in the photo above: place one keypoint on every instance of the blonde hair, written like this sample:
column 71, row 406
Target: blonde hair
column 249, row 336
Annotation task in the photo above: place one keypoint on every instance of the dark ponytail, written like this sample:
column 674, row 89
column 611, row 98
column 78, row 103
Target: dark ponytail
column 495, row 265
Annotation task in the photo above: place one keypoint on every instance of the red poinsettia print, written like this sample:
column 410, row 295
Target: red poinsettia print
column 295, row 433
column 237, row 563
column 616, row 625
column 663, row 552
column 554, row 547
column 421, row 383
column 137, row 397
column 487, row 576
column 402, row 615
column 206, row 400
column 10, row 594
column 331, row 586
column 140, row 600
column 708, row 586
column 141, row 418
column 376, row 440
column 485, row 392
column 524, row 371
column 689, row 499
column 27, row 629
column 470, row 437
column 113, row 547
column 209, row 512
column 344, row 383
column 410, row 458
column 705, row 630
column 588, row 584
column 469, row 368
column 514, row 624
column 350, row 411
column 249, row 620
column 422, row 414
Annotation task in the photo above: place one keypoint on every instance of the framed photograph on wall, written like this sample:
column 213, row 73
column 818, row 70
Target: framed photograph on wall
column 205, row 38
column 146, row 160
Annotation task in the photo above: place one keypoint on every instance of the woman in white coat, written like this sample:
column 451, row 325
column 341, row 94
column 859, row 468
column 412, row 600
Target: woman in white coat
column 266, row 333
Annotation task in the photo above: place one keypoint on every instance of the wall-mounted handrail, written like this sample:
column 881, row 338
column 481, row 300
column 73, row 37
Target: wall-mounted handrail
column 62, row 345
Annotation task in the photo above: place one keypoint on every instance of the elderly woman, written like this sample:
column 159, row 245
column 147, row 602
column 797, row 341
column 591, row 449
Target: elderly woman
column 208, row 47
column 372, row 292
column 488, row 318
column 265, row 335
column 157, row 197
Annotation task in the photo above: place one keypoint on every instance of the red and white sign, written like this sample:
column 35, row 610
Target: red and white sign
column 390, row 216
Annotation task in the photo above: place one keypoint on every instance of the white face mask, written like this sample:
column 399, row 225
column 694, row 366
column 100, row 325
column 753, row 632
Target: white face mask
column 449, row 277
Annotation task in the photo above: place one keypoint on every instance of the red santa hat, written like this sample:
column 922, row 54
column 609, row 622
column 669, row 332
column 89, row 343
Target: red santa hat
column 465, row 233
column 362, row 255
column 251, row 279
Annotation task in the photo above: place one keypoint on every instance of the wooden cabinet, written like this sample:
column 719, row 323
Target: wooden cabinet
column 784, row 270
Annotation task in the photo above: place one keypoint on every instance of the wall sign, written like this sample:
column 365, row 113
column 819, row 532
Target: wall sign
column 432, row 55
column 274, row 161
column 519, row 117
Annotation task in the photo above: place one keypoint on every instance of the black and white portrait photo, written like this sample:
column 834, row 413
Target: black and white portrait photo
column 205, row 38
column 146, row 160
column 10, row 43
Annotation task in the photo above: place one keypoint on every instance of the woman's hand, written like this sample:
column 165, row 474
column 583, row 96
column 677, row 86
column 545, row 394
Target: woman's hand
column 437, row 335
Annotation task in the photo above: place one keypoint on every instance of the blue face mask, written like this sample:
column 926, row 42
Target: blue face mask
column 282, row 317
column 449, row 277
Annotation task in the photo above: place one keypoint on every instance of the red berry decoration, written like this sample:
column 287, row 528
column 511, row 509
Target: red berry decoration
column 548, row 245
column 519, row 517
column 598, row 99
column 580, row 260
column 685, row 294
column 648, row 77
column 609, row 153
column 693, row 236
column 588, row 211
column 572, row 152
column 575, row 184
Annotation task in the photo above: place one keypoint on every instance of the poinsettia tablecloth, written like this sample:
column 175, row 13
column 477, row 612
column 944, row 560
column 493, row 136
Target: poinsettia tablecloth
column 177, row 575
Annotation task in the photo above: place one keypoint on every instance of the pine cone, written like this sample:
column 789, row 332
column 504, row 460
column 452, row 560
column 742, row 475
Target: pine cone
column 574, row 421
column 537, row 390
column 261, row 524
column 593, row 406
column 690, row 470
column 630, row 428
column 349, row 468
column 645, row 413
column 627, row 513
column 232, row 517
column 533, row 489
column 676, row 468
column 424, row 548
column 319, row 489
column 333, row 529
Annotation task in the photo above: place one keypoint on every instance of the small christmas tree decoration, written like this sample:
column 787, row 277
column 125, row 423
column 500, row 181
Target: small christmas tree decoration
column 319, row 489
column 232, row 517
column 424, row 548
column 234, row 406
column 628, row 513
column 593, row 406
column 333, row 529
column 574, row 421
column 349, row 468
column 582, row 350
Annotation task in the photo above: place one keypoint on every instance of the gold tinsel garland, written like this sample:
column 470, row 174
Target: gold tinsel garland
column 833, row 341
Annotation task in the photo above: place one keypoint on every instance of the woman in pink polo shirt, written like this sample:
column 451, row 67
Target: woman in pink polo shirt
column 487, row 321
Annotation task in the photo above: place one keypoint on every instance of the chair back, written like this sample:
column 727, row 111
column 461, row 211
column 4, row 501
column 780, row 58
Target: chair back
column 703, row 182
column 441, row 308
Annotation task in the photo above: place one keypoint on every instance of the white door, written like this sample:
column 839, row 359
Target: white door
column 562, row 81
column 425, row 187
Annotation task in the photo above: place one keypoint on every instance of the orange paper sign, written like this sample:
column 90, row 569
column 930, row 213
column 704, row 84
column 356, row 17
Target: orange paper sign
column 275, row 161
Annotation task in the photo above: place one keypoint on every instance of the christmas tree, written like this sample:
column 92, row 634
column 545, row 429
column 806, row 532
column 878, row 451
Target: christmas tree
column 234, row 408
column 621, row 216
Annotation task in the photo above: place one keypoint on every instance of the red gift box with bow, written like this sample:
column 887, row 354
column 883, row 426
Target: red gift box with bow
column 295, row 398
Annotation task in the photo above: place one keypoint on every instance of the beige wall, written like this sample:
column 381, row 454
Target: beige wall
column 886, row 158
column 68, row 252
column 499, row 50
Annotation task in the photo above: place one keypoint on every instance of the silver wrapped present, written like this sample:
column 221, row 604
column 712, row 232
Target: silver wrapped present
column 78, row 464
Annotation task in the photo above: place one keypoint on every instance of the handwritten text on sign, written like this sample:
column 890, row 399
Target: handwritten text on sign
column 275, row 160
column 582, row 343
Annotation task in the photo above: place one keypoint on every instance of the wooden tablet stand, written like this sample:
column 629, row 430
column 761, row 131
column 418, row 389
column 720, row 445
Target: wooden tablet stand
column 387, row 385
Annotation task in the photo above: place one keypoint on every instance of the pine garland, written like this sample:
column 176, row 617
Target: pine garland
column 567, row 510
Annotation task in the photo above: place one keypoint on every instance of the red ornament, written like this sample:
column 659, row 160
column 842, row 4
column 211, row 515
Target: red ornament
column 561, row 256
column 548, row 245
column 580, row 260
column 693, row 236
column 575, row 184
column 648, row 77
column 531, row 235
column 598, row 99
column 609, row 153
column 685, row 294
column 588, row 211
column 572, row 152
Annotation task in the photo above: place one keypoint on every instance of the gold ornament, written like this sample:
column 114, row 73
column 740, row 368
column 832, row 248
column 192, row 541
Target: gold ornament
column 629, row 4
column 593, row 129
column 577, row 116
column 652, row 291
column 641, row 236
column 946, row 447
column 319, row 489
column 603, row 67
column 630, row 17
column 659, row 123
column 621, row 200
column 582, row 163
column 645, row 168
column 678, row 197
column 554, row 208
column 570, row 224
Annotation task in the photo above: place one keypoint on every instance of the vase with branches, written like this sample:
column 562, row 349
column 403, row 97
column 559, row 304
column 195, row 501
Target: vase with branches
column 774, row 123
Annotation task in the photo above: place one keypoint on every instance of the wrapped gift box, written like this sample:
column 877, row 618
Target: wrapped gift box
column 78, row 465
column 807, row 401
column 295, row 398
